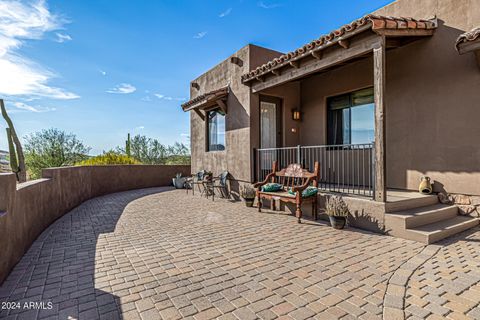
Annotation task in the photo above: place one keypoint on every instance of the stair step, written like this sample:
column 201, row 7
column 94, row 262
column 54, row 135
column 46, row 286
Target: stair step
column 434, row 232
column 411, row 203
column 423, row 215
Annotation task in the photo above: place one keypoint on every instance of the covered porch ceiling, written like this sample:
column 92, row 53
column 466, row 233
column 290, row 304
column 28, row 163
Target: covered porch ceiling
column 351, row 42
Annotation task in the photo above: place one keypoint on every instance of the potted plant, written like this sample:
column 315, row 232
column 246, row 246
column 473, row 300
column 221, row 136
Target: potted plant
column 248, row 194
column 179, row 181
column 337, row 211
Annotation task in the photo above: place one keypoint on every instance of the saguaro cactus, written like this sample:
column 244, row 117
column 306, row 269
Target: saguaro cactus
column 127, row 146
column 17, row 159
column 12, row 153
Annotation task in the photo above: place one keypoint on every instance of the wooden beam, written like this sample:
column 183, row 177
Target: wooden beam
column 379, row 99
column 331, row 59
column 317, row 54
column 295, row 64
column 344, row 43
column 222, row 106
column 466, row 47
column 200, row 114
column 405, row 32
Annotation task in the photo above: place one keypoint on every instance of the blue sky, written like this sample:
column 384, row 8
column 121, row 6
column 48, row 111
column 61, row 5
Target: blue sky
column 101, row 68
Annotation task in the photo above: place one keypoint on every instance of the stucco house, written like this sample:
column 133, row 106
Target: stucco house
column 379, row 103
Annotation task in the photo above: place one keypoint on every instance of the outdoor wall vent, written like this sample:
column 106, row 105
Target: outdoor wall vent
column 237, row 61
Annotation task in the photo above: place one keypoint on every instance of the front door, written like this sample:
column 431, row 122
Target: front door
column 270, row 122
column 270, row 133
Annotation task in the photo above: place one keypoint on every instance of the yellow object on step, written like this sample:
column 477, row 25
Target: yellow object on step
column 425, row 186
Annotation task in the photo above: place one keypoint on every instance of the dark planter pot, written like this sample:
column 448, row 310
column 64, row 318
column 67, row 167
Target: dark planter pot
column 337, row 222
column 249, row 202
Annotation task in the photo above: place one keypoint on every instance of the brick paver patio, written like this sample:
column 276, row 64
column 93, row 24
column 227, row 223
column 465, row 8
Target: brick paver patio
column 160, row 254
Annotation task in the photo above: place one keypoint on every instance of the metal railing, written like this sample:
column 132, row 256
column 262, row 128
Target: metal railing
column 346, row 168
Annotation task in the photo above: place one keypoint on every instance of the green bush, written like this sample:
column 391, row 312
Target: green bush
column 108, row 158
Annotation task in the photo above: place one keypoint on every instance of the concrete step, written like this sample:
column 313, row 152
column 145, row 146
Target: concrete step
column 411, row 203
column 421, row 216
column 434, row 232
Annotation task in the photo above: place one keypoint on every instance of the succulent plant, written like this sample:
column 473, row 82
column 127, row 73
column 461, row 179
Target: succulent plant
column 336, row 207
column 247, row 192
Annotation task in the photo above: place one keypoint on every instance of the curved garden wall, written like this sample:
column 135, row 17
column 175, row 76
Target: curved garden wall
column 27, row 209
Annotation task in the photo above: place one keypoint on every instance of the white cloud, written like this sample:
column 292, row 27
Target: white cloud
column 139, row 128
column 200, row 35
column 163, row 97
column 21, row 76
column 146, row 98
column 123, row 88
column 27, row 107
column 264, row 5
column 62, row 37
column 225, row 13
column 103, row 73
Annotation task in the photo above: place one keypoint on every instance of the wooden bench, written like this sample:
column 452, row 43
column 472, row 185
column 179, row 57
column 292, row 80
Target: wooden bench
column 294, row 177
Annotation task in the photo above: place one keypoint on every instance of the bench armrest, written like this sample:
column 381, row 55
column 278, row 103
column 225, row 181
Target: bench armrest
column 303, row 186
column 264, row 182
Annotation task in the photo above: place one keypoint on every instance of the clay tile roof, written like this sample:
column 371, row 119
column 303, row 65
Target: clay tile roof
column 206, row 97
column 371, row 21
column 469, row 36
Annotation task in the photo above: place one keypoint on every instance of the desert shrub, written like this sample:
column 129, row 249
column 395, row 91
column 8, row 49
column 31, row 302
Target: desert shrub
column 108, row 158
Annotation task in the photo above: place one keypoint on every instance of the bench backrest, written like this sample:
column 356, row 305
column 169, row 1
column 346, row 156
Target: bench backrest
column 294, row 175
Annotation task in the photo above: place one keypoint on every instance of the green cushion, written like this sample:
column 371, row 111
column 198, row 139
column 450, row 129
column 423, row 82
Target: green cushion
column 272, row 187
column 308, row 192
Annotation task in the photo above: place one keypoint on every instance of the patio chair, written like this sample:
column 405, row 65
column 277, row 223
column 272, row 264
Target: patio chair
column 217, row 183
column 196, row 179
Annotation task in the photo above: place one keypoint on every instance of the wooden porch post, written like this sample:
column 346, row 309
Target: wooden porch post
column 379, row 98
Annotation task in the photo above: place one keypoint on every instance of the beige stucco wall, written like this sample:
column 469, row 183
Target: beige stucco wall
column 433, row 101
column 236, row 158
column 29, row 208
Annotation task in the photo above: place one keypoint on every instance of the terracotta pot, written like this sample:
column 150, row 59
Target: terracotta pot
column 425, row 186
column 337, row 222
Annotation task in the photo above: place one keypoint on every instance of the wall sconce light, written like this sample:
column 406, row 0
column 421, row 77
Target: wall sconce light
column 296, row 115
column 294, row 130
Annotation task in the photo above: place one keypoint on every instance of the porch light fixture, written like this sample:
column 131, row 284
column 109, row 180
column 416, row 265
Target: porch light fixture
column 296, row 115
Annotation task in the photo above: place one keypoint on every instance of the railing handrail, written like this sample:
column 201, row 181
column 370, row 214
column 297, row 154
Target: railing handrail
column 370, row 144
column 339, row 145
column 273, row 149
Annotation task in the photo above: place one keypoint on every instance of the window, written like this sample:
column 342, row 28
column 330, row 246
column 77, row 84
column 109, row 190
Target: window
column 216, row 131
column 350, row 118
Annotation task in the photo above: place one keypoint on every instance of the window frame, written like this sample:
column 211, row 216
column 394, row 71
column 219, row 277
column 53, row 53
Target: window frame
column 207, row 130
column 350, row 94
